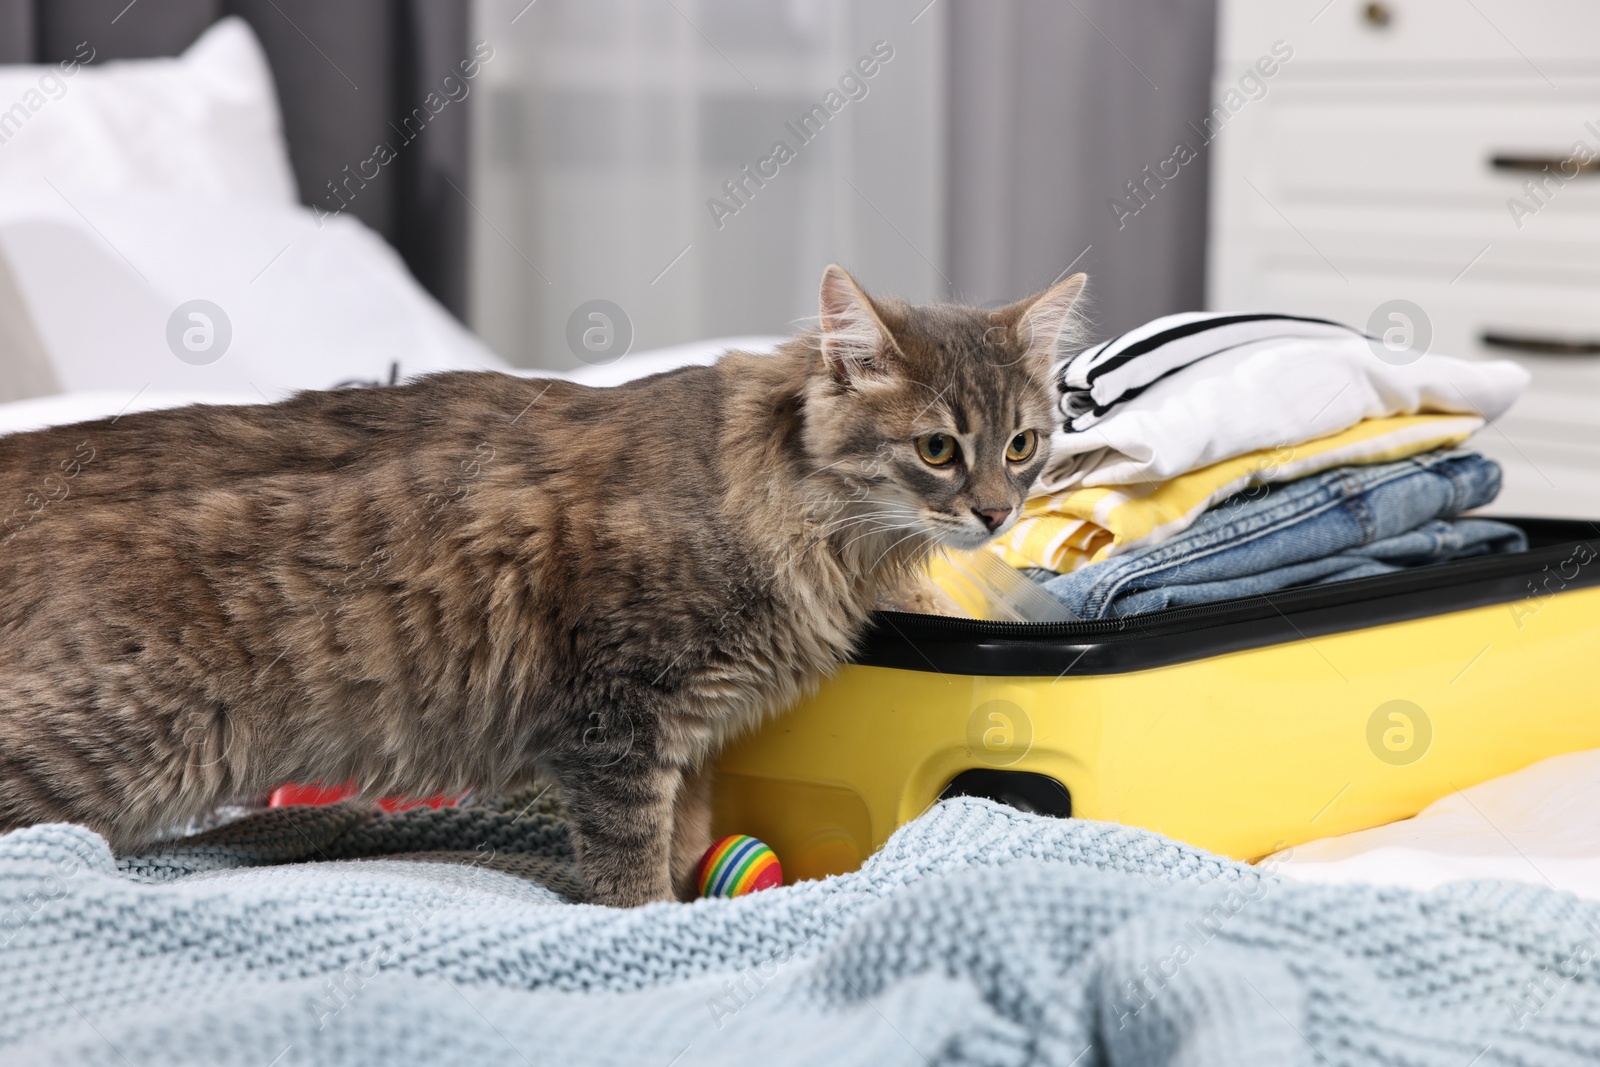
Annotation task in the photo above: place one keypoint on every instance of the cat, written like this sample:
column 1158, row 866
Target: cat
column 474, row 579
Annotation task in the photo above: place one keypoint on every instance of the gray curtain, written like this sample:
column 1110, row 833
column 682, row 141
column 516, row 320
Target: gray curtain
column 1055, row 105
column 345, row 70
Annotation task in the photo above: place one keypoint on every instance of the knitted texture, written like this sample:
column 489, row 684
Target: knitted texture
column 529, row 841
column 978, row 935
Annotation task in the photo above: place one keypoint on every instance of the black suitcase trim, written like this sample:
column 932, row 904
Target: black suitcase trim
column 1563, row 554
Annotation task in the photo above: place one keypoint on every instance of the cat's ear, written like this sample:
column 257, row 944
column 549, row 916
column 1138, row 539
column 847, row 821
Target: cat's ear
column 856, row 346
column 1047, row 324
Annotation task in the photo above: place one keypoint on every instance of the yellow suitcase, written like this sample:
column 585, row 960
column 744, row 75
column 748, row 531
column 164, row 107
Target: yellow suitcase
column 1241, row 727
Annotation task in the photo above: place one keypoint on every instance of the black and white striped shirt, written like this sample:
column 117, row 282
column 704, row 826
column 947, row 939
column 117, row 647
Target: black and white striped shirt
column 1095, row 381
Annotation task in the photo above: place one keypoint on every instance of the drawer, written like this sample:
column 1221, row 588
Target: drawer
column 1441, row 244
column 1453, row 144
column 1566, row 387
column 1536, row 38
column 1434, row 171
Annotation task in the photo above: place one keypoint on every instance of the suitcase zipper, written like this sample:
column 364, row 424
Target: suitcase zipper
column 1180, row 620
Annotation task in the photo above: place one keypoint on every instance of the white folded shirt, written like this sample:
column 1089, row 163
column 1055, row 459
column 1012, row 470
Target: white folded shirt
column 1264, row 394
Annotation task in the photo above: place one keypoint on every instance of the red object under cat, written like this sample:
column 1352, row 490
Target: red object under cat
column 317, row 794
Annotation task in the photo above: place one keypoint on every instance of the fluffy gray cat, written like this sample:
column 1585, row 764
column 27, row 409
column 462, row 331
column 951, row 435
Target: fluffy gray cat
column 475, row 579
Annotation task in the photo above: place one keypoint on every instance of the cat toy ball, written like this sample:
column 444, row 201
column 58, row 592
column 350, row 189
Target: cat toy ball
column 737, row 865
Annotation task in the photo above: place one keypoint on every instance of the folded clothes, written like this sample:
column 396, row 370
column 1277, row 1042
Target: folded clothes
column 1283, row 388
column 1063, row 531
column 1099, row 379
column 1349, row 522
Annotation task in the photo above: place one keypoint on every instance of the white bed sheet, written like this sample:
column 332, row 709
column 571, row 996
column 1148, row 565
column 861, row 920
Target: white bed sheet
column 1539, row 825
column 86, row 405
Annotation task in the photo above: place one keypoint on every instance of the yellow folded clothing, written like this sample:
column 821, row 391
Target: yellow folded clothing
column 1063, row 531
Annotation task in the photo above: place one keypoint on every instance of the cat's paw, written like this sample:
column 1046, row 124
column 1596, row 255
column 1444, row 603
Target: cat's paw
column 625, row 892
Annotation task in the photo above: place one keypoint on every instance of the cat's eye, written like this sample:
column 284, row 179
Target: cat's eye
column 937, row 449
column 1022, row 446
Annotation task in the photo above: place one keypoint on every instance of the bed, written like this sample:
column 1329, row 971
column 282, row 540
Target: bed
column 347, row 934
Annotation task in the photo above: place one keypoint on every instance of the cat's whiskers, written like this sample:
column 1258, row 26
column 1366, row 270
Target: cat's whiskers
column 884, row 530
column 898, row 542
column 874, row 523
column 846, row 512
column 885, row 511
column 881, row 521
column 877, row 528
column 824, row 467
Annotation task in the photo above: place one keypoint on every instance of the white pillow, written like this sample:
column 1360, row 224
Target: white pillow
column 308, row 304
column 655, row 361
column 205, row 123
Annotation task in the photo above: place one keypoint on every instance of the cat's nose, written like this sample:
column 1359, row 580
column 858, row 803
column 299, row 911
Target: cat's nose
column 992, row 517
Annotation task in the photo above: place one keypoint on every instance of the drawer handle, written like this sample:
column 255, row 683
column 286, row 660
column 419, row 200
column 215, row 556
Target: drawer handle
column 1544, row 346
column 1562, row 165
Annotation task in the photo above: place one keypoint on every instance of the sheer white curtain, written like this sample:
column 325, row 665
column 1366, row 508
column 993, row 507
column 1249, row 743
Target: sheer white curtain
column 610, row 131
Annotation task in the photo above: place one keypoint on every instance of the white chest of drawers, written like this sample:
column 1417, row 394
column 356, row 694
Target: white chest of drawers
column 1442, row 152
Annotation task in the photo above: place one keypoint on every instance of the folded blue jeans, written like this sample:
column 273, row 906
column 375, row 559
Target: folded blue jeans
column 1349, row 522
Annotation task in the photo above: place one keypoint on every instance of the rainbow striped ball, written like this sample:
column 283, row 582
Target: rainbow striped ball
column 736, row 865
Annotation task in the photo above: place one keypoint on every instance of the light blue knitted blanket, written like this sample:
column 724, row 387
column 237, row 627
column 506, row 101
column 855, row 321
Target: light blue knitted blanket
column 979, row 935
